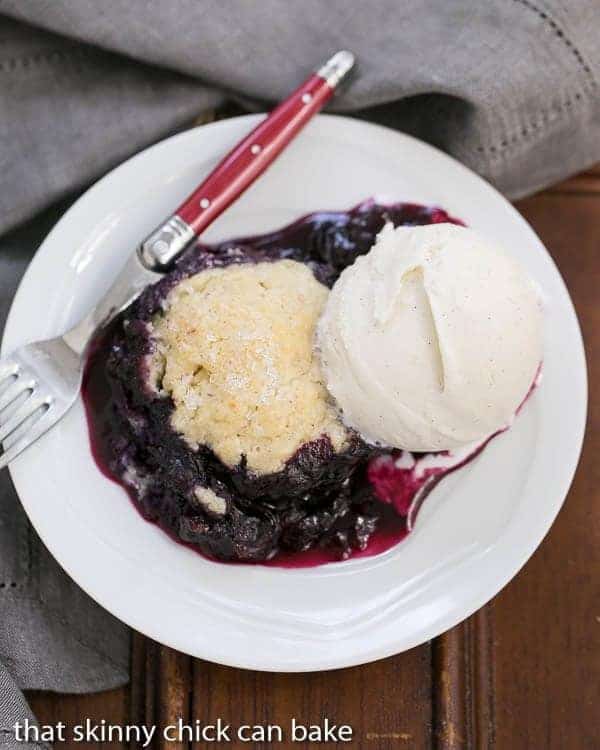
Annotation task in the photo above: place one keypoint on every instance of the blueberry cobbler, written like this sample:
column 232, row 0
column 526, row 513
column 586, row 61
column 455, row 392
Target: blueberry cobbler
column 258, row 402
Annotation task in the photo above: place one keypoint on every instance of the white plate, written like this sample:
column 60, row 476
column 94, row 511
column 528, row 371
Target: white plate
column 476, row 529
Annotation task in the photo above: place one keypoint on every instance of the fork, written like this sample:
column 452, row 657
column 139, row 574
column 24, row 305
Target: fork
column 39, row 382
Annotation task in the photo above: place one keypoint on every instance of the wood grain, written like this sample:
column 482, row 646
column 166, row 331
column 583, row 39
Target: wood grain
column 547, row 645
column 160, row 688
column 463, row 697
column 523, row 672
column 388, row 703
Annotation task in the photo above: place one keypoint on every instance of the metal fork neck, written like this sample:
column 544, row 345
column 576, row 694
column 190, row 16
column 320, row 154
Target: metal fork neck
column 126, row 288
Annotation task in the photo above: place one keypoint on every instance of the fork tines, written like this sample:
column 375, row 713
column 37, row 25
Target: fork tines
column 21, row 409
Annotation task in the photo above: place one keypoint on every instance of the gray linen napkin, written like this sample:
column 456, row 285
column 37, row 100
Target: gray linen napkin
column 52, row 636
column 13, row 708
column 510, row 87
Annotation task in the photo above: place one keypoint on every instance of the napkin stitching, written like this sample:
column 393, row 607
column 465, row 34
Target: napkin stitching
column 545, row 118
column 560, row 33
column 39, row 598
column 545, row 115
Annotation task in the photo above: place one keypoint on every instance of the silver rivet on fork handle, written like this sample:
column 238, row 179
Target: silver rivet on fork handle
column 234, row 173
column 39, row 382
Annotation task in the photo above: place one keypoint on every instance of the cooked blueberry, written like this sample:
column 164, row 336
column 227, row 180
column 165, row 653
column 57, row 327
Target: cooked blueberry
column 239, row 452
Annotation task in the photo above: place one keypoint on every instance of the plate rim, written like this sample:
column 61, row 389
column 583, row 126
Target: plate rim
column 368, row 655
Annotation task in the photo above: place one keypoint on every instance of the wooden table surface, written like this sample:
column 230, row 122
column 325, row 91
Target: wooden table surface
column 523, row 672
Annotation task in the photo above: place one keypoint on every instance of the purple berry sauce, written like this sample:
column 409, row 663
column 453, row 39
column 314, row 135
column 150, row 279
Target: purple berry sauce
column 322, row 507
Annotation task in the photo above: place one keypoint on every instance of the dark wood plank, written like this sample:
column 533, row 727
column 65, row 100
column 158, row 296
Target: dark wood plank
column 387, row 703
column 547, row 644
column 175, row 693
column 161, row 684
column 137, row 691
column 463, row 699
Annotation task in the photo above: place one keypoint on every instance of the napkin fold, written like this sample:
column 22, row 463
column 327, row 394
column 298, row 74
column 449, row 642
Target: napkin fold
column 13, row 710
column 509, row 87
column 52, row 635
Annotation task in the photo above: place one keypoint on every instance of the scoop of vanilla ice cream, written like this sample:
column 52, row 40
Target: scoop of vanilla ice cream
column 431, row 340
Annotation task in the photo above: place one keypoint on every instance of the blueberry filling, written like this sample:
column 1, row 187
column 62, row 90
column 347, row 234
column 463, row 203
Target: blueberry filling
column 326, row 502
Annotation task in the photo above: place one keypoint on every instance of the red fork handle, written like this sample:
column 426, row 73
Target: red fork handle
column 251, row 157
column 238, row 170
